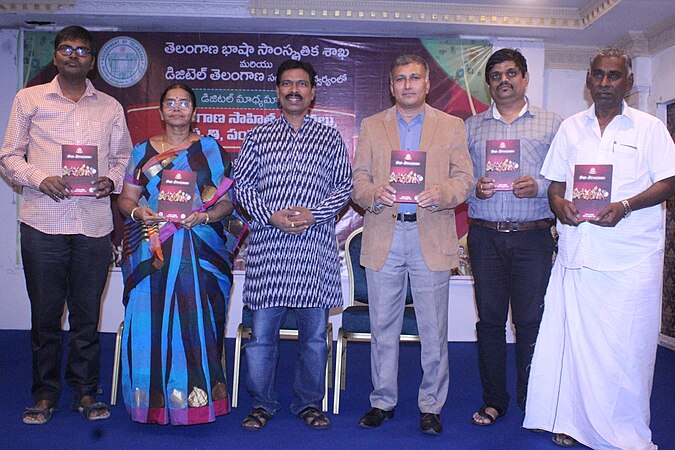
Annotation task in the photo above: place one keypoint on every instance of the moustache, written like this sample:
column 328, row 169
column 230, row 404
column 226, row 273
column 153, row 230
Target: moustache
column 290, row 96
column 505, row 83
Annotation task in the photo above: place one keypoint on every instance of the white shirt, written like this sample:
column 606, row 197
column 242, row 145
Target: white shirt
column 642, row 152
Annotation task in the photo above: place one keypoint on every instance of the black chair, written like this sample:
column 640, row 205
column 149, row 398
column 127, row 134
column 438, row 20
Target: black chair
column 289, row 330
column 355, row 319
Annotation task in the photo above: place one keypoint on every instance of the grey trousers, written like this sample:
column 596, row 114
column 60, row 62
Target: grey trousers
column 386, row 296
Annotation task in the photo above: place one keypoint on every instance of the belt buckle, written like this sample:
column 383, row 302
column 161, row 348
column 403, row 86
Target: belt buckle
column 505, row 227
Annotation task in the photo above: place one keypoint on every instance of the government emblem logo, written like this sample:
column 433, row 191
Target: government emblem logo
column 122, row 62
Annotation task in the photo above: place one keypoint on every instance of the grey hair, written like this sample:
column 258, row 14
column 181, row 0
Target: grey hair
column 617, row 52
column 404, row 60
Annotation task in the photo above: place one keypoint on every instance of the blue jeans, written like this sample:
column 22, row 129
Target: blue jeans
column 262, row 355
column 508, row 268
column 57, row 268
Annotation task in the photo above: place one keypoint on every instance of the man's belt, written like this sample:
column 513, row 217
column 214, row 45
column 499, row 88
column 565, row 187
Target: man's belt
column 506, row 227
column 406, row 217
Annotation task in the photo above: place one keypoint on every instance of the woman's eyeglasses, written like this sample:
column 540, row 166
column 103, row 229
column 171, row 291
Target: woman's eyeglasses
column 181, row 103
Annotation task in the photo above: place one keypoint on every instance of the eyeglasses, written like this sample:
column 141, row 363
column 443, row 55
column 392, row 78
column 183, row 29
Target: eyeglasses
column 67, row 50
column 182, row 103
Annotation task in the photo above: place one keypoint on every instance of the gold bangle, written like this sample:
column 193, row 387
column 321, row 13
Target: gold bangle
column 132, row 214
column 207, row 218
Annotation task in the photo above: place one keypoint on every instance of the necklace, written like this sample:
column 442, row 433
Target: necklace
column 174, row 145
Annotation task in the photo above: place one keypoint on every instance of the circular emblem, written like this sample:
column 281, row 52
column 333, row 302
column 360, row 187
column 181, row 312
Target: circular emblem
column 122, row 61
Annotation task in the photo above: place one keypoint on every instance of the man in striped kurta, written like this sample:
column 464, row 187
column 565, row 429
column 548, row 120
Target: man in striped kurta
column 293, row 177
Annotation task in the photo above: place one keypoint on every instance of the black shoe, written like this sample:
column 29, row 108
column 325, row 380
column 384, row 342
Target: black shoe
column 431, row 423
column 374, row 417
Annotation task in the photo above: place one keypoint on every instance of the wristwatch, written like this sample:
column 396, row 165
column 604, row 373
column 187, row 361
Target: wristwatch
column 626, row 208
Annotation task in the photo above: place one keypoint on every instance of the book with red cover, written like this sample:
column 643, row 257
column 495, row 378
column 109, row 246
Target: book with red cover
column 502, row 162
column 79, row 165
column 591, row 189
column 408, row 169
column 176, row 191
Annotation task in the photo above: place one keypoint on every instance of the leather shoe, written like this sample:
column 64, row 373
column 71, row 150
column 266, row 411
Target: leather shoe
column 431, row 423
column 374, row 417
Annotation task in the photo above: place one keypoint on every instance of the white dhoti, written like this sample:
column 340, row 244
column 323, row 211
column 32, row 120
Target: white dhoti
column 593, row 363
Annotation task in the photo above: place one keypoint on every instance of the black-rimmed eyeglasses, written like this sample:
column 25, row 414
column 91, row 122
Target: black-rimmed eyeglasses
column 67, row 50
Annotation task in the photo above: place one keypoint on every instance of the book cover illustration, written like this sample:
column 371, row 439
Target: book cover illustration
column 79, row 167
column 502, row 162
column 591, row 189
column 176, row 191
column 408, row 169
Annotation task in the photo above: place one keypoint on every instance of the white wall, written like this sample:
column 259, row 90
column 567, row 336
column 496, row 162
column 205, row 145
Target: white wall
column 663, row 88
column 565, row 92
column 14, row 308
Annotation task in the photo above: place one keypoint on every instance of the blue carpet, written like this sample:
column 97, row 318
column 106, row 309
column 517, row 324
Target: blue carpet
column 68, row 430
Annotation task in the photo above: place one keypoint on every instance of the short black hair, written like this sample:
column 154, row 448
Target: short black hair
column 505, row 54
column 290, row 64
column 182, row 86
column 75, row 33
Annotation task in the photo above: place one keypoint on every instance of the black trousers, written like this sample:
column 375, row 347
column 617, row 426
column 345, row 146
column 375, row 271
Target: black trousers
column 59, row 269
column 508, row 268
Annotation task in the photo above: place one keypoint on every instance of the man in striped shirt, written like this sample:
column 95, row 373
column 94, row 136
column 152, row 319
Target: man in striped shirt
column 292, row 177
column 65, row 238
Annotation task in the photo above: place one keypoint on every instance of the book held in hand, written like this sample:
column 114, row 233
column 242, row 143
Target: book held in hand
column 502, row 162
column 407, row 174
column 79, row 167
column 176, row 192
column 592, row 189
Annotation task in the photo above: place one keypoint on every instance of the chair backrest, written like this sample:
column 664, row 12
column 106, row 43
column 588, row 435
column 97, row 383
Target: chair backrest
column 358, row 286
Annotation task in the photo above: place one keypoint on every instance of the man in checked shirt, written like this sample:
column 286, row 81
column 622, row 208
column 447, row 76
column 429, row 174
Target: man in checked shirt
column 65, row 238
column 509, row 240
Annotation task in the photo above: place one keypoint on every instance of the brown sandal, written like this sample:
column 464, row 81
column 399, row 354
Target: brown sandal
column 314, row 418
column 256, row 419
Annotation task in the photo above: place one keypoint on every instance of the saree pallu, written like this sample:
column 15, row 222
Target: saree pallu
column 177, row 285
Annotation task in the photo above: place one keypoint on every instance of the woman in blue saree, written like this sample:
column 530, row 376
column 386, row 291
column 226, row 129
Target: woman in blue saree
column 177, row 274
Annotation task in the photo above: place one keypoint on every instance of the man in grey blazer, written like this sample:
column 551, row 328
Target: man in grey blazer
column 416, row 241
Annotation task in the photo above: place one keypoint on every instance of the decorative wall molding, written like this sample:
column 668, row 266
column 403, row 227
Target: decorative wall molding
column 637, row 43
column 230, row 9
column 662, row 36
column 365, row 10
column 435, row 12
column 457, row 15
column 568, row 57
column 41, row 6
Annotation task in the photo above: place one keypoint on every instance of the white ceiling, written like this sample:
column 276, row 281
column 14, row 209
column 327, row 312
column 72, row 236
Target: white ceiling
column 645, row 25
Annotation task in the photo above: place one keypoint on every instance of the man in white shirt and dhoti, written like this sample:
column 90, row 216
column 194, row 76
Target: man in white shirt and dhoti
column 593, row 364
